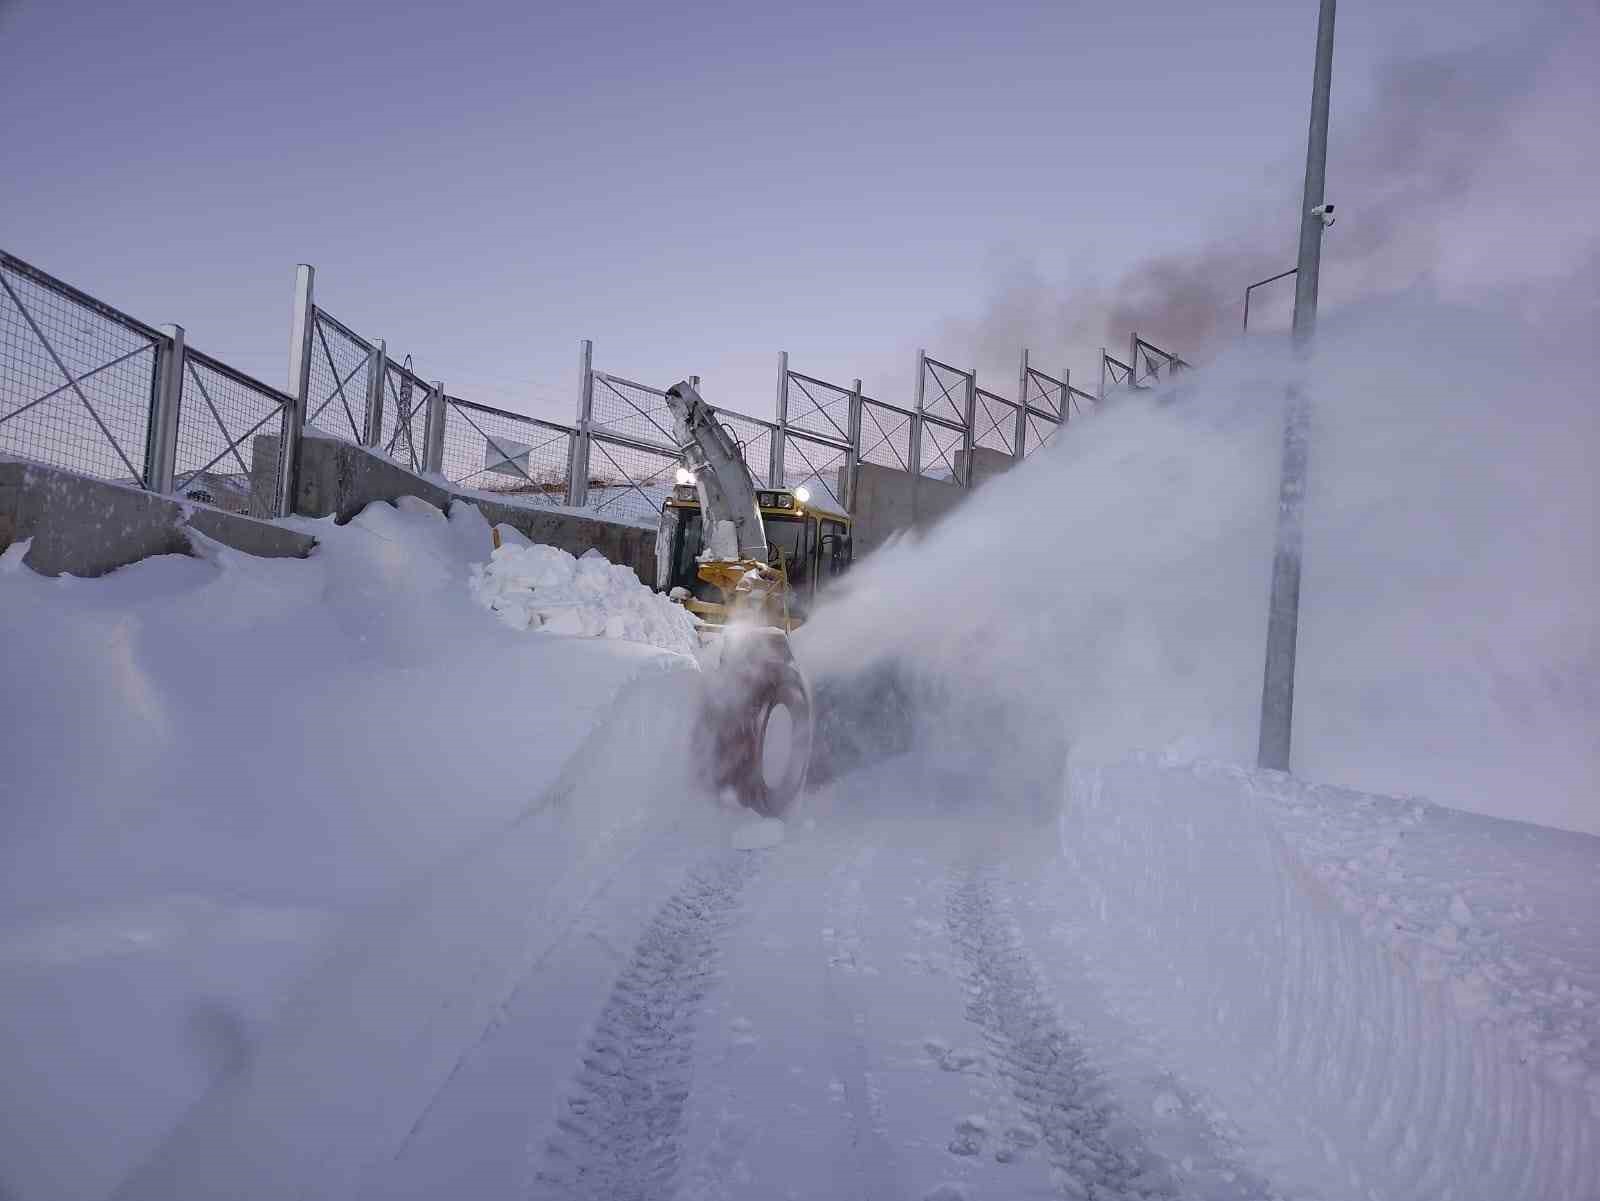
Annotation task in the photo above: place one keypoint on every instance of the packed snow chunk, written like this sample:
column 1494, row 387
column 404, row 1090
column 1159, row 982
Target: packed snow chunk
column 536, row 587
column 758, row 835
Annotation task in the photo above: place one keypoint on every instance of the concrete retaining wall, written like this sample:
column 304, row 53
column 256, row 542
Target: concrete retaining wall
column 887, row 501
column 87, row 527
column 338, row 479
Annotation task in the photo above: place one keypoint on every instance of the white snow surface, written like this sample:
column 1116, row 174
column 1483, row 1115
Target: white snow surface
column 535, row 587
column 227, row 780
column 318, row 881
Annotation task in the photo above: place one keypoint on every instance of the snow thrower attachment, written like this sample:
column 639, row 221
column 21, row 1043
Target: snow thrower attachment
column 747, row 563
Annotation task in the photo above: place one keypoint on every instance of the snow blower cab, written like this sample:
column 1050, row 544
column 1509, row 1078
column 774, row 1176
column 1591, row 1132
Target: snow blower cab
column 747, row 563
column 808, row 542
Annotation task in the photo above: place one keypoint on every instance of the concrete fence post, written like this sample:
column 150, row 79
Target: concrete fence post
column 916, row 420
column 1019, row 439
column 578, row 461
column 433, row 430
column 300, row 333
column 781, row 438
column 161, row 441
column 377, row 375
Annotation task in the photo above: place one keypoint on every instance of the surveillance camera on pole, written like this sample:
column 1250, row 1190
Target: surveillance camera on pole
column 1323, row 213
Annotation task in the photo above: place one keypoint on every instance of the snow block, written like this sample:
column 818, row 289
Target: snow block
column 1216, row 937
column 86, row 527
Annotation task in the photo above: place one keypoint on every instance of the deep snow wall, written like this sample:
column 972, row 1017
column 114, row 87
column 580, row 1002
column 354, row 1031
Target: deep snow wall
column 1220, row 942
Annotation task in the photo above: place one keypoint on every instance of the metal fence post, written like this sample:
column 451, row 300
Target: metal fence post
column 377, row 373
column 1133, row 360
column 1020, row 437
column 782, row 405
column 161, row 441
column 578, row 461
column 916, row 420
column 852, row 457
column 433, row 431
column 968, row 440
column 300, row 332
column 1101, row 394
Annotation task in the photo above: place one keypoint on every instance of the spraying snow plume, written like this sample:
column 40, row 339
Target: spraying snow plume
column 1471, row 172
column 1118, row 582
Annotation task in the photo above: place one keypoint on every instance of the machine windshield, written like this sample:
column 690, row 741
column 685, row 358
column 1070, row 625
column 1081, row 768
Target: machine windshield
column 792, row 536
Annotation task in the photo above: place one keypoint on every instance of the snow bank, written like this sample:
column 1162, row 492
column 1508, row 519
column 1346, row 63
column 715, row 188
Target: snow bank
column 1360, row 1064
column 218, row 770
column 545, row 588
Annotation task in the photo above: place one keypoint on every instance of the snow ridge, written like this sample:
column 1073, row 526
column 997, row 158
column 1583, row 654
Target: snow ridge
column 1093, row 1152
column 617, row 1139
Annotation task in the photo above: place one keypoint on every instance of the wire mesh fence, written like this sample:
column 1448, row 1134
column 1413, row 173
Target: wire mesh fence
column 85, row 387
column 77, row 378
column 336, row 398
column 1045, row 394
column 944, row 391
column 404, row 431
column 1037, row 432
column 222, row 457
column 818, row 407
column 942, row 447
column 636, row 412
column 885, row 435
column 755, row 443
column 995, row 423
column 815, row 466
column 629, row 482
column 490, row 450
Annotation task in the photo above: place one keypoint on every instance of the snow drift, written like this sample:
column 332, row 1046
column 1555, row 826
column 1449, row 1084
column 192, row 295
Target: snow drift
column 1356, row 1059
column 244, row 796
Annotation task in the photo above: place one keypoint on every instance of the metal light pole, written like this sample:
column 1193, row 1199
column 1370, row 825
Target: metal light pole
column 1271, row 279
column 1283, row 616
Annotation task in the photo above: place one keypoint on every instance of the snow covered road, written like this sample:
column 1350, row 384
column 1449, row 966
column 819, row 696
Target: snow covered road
column 851, row 1014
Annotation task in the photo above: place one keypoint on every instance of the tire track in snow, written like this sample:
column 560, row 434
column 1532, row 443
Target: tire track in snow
column 616, row 1137
column 1092, row 1150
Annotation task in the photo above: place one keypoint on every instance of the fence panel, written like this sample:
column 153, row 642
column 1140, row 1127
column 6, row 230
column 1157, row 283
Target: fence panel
column 941, row 451
column 336, row 402
column 404, row 433
column 77, row 378
column 755, row 440
column 221, row 415
column 634, row 412
column 1046, row 394
column 818, row 407
column 491, row 450
column 629, row 482
column 815, row 465
column 1037, row 431
column 944, row 392
column 885, row 435
column 995, row 423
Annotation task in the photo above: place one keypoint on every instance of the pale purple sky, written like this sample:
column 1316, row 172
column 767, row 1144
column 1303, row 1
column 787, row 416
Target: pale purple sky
column 693, row 186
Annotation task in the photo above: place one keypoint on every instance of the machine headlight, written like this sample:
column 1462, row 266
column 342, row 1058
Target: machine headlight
column 802, row 494
column 685, row 477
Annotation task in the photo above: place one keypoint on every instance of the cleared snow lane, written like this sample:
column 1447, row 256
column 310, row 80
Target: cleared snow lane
column 618, row 1139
